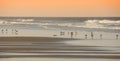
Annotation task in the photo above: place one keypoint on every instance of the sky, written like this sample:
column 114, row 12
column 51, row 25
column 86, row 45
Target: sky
column 60, row 8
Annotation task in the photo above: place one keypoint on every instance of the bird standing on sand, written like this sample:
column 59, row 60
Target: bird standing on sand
column 92, row 35
column 6, row 31
column 85, row 36
column 2, row 31
column 61, row 33
column 71, row 34
column 117, row 36
column 100, row 36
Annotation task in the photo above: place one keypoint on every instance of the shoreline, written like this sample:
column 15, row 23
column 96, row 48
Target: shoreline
column 34, row 39
column 71, row 55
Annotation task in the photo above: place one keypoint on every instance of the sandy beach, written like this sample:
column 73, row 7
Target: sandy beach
column 58, row 40
column 56, row 47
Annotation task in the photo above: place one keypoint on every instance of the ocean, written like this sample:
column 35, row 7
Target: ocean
column 65, row 23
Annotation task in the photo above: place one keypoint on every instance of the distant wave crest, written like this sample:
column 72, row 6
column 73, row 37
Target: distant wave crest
column 48, row 24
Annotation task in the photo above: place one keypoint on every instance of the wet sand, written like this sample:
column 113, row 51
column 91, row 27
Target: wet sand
column 34, row 39
column 61, row 55
column 53, row 47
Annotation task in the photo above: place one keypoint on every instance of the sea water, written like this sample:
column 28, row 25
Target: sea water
column 66, row 23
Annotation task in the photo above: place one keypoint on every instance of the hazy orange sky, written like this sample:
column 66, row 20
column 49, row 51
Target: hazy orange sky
column 64, row 8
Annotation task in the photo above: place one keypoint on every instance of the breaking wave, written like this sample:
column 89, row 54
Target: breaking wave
column 48, row 24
